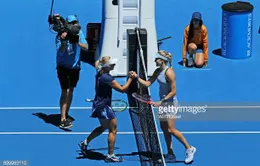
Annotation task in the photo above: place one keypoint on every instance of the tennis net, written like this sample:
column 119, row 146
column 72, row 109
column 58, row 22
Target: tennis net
column 143, row 119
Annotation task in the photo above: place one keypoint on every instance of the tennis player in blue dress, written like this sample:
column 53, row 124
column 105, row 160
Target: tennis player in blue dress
column 102, row 109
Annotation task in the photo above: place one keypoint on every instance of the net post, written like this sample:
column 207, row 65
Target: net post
column 131, row 57
column 132, row 66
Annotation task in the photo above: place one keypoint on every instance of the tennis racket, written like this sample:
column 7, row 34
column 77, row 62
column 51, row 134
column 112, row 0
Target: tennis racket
column 143, row 98
column 117, row 105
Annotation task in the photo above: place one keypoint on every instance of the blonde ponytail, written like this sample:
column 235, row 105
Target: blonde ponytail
column 102, row 61
column 169, row 56
column 97, row 65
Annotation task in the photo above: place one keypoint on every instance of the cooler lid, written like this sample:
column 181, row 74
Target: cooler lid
column 238, row 6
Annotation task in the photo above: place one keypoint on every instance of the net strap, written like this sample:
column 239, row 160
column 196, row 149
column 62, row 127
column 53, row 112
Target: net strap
column 141, row 54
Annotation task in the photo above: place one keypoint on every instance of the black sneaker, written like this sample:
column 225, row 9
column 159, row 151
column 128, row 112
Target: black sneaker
column 83, row 147
column 170, row 158
column 70, row 119
column 65, row 124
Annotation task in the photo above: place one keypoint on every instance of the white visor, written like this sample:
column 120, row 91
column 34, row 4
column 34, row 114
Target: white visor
column 111, row 62
column 157, row 55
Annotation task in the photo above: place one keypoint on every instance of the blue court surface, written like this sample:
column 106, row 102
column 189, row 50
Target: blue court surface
column 29, row 89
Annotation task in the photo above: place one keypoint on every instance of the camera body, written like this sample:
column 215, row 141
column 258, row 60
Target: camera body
column 60, row 25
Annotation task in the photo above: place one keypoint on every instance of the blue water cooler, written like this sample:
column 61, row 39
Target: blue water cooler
column 237, row 23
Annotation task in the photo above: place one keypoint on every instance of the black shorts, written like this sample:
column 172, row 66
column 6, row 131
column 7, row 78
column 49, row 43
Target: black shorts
column 68, row 78
column 199, row 47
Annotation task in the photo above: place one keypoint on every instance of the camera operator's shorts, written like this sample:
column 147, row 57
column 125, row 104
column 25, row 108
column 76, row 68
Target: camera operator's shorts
column 68, row 78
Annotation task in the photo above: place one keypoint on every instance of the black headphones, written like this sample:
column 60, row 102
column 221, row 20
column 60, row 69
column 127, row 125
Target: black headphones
column 76, row 17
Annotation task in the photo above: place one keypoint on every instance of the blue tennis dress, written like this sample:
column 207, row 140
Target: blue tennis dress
column 165, row 87
column 101, row 107
column 164, row 90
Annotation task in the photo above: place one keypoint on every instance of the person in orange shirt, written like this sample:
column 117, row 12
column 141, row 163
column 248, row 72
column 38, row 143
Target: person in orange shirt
column 195, row 42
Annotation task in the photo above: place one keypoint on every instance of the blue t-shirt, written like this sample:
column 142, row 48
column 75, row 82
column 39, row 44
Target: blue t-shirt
column 70, row 57
column 103, row 90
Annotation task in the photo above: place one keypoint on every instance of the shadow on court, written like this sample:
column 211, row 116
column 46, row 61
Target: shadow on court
column 217, row 51
column 134, row 156
column 53, row 119
column 93, row 155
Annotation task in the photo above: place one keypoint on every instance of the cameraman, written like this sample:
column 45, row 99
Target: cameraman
column 68, row 67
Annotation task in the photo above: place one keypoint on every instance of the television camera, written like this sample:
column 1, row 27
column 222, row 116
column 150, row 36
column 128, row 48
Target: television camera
column 61, row 25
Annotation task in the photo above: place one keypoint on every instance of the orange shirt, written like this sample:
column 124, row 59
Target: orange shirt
column 200, row 37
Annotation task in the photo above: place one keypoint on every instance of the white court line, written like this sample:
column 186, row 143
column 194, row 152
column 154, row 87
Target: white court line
column 245, row 106
column 48, row 108
column 127, row 133
column 85, row 108
column 41, row 108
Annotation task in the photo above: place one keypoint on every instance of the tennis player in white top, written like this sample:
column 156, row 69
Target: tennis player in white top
column 165, row 76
